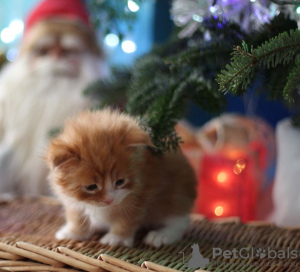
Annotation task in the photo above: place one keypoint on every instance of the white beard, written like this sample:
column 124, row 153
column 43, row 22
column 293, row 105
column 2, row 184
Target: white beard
column 35, row 98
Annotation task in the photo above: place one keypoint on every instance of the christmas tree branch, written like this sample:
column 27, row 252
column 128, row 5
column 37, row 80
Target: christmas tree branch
column 279, row 50
column 201, row 54
column 110, row 91
column 293, row 83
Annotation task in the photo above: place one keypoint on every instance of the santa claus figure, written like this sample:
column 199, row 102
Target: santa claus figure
column 59, row 57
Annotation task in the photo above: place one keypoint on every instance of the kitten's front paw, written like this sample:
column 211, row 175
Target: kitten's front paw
column 113, row 239
column 158, row 238
column 66, row 233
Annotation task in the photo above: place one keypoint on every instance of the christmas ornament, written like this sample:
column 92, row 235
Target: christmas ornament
column 189, row 14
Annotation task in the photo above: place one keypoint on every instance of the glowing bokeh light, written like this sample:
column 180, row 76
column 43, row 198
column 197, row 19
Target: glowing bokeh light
column 212, row 9
column 133, row 6
column 111, row 40
column 16, row 26
column 219, row 211
column 197, row 18
column 241, row 164
column 12, row 54
column 7, row 36
column 298, row 10
column 237, row 170
column 128, row 46
column 222, row 177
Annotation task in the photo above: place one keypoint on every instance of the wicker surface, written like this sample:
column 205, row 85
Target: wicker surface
column 27, row 228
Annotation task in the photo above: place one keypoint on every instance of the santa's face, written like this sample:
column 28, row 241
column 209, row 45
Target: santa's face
column 61, row 55
column 59, row 48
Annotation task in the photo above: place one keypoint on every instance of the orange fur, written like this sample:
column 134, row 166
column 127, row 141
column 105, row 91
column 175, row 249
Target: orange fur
column 102, row 147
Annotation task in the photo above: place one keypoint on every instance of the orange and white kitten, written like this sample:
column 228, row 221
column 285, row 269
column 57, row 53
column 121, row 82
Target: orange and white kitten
column 105, row 172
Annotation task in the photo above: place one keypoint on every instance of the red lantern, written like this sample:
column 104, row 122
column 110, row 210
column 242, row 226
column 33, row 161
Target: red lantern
column 227, row 186
column 236, row 153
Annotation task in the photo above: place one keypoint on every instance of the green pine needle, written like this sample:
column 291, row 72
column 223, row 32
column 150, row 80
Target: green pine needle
column 279, row 50
column 293, row 83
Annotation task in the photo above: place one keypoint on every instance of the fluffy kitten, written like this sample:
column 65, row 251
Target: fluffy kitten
column 105, row 172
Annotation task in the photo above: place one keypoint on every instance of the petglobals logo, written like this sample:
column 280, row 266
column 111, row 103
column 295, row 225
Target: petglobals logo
column 252, row 252
column 192, row 257
column 195, row 258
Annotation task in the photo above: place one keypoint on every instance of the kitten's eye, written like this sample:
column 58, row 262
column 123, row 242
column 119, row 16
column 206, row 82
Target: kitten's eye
column 119, row 182
column 91, row 187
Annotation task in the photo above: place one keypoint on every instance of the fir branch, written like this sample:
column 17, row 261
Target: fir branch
column 198, row 50
column 206, row 97
column 277, row 25
column 146, row 86
column 139, row 101
column 279, row 50
column 164, row 112
column 239, row 73
column 145, row 70
column 202, row 53
column 275, row 80
column 296, row 120
column 110, row 91
column 163, row 115
column 293, row 83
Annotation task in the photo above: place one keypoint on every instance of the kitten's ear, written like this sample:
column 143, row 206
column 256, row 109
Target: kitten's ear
column 139, row 138
column 66, row 161
column 62, row 157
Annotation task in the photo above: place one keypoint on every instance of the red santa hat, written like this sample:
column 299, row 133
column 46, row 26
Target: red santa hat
column 73, row 10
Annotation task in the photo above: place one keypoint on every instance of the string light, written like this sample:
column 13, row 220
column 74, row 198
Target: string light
column 16, row 26
column 219, row 211
column 197, row 18
column 298, row 10
column 133, row 6
column 222, row 177
column 239, row 167
column 237, row 170
column 12, row 54
column 15, row 29
column 111, row 40
column 241, row 164
column 212, row 9
column 128, row 46
column 7, row 36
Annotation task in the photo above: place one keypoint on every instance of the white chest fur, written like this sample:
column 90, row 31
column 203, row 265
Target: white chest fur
column 98, row 217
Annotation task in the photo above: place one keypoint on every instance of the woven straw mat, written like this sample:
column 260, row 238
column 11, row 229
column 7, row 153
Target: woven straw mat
column 27, row 243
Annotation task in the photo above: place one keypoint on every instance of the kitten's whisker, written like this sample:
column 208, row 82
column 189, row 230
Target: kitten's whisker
column 84, row 223
column 129, row 210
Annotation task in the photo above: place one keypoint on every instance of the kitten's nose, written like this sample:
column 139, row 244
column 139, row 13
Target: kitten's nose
column 107, row 201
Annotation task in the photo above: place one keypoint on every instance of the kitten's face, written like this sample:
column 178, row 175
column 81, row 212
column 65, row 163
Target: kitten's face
column 83, row 182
